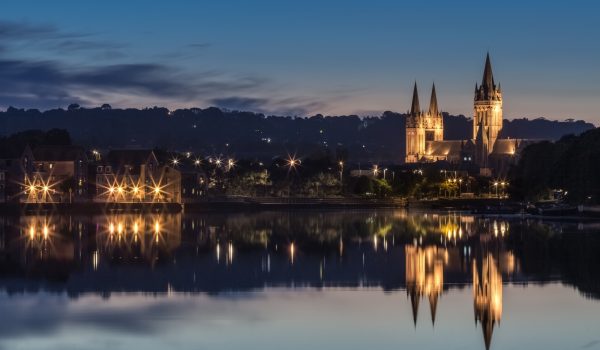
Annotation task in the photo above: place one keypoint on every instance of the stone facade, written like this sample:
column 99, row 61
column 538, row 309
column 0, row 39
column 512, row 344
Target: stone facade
column 425, row 131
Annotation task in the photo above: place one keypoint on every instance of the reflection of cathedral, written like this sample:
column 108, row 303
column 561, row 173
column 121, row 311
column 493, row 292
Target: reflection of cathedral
column 425, row 279
column 424, row 276
column 424, row 131
column 487, row 295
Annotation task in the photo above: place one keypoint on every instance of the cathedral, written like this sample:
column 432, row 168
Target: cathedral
column 486, row 150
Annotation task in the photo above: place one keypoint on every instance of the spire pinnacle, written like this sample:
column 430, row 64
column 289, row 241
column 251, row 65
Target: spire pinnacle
column 488, row 77
column 433, row 105
column 415, row 108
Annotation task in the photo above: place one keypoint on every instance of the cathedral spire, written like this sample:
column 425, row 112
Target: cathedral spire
column 433, row 105
column 488, row 76
column 415, row 108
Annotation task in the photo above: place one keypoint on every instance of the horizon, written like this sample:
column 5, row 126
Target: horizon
column 226, row 110
column 299, row 60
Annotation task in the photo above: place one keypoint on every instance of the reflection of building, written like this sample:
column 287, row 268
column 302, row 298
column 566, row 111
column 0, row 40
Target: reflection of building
column 424, row 276
column 487, row 295
column 424, row 131
column 131, row 236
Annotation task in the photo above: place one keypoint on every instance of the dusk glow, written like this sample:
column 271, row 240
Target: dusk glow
column 334, row 57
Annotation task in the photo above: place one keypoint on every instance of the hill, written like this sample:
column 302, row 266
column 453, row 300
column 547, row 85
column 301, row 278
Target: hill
column 246, row 134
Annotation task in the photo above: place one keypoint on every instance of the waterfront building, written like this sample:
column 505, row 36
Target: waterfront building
column 15, row 166
column 59, row 175
column 135, row 176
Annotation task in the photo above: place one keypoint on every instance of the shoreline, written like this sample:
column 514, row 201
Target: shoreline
column 484, row 207
column 234, row 204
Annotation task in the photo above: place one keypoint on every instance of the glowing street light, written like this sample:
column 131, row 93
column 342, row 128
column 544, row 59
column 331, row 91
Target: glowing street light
column 230, row 163
column 375, row 170
column 292, row 162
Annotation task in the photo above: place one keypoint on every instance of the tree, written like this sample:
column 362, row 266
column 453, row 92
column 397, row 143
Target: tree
column 73, row 107
column 363, row 185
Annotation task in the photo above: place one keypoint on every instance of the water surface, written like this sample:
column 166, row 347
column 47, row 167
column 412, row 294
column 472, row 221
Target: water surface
column 297, row 280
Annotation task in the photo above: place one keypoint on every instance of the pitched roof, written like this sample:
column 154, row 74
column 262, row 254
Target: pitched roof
column 58, row 153
column 444, row 148
column 130, row 156
column 511, row 146
column 11, row 151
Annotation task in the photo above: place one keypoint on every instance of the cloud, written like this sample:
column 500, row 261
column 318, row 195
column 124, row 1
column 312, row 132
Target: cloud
column 285, row 106
column 45, row 84
column 199, row 46
column 56, row 82
column 11, row 30
column 18, row 35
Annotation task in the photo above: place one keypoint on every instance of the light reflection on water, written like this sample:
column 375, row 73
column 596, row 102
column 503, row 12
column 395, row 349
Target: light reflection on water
column 306, row 279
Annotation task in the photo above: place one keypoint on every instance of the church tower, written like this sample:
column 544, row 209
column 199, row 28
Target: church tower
column 422, row 127
column 487, row 118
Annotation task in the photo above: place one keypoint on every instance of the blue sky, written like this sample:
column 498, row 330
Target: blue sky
column 301, row 57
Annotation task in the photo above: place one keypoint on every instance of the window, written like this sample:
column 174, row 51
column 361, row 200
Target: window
column 99, row 169
column 108, row 169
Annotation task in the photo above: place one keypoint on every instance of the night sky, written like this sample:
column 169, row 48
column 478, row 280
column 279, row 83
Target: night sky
column 301, row 57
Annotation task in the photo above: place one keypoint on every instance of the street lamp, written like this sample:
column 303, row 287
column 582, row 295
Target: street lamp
column 341, row 163
column 375, row 170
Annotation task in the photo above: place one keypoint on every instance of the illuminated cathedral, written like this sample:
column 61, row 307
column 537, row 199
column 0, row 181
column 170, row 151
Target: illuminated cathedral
column 425, row 131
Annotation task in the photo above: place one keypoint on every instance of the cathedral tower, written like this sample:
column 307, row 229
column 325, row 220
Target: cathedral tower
column 422, row 127
column 487, row 118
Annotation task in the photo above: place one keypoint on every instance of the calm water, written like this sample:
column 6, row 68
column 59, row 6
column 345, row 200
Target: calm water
column 303, row 280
